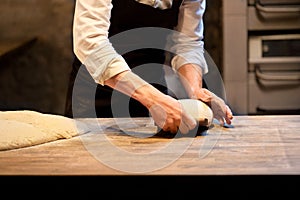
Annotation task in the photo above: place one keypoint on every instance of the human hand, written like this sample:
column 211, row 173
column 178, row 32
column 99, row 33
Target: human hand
column 191, row 78
column 221, row 111
column 169, row 115
column 166, row 111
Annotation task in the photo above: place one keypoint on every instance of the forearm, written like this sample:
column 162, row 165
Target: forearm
column 132, row 85
column 165, row 110
column 191, row 78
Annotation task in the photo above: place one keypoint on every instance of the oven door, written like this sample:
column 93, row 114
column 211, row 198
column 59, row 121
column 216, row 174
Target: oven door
column 273, row 14
column 274, row 74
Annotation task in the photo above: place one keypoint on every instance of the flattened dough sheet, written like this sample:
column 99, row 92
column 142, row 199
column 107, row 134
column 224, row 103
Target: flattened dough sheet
column 24, row 128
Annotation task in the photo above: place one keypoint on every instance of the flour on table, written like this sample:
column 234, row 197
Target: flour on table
column 27, row 128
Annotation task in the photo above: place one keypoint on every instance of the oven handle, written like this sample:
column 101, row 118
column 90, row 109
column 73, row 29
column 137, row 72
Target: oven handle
column 284, row 9
column 268, row 77
column 277, row 111
column 268, row 60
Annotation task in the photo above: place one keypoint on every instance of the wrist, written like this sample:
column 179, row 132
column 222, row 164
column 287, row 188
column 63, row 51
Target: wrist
column 148, row 95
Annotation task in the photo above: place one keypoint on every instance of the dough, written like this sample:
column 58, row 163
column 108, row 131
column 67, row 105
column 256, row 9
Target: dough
column 198, row 110
column 27, row 128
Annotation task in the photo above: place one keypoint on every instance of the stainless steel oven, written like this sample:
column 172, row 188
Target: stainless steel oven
column 261, row 56
column 273, row 56
column 274, row 74
column 273, row 15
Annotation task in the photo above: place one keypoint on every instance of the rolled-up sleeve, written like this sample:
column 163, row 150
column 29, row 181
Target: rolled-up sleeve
column 90, row 40
column 188, row 44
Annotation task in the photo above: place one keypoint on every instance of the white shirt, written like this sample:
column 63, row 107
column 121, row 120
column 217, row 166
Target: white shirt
column 93, row 48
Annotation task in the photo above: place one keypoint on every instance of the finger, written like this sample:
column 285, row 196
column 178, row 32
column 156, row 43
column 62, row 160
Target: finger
column 228, row 121
column 229, row 115
column 221, row 121
column 184, row 129
column 189, row 121
column 171, row 126
column 159, row 116
column 165, row 126
column 173, row 129
column 166, row 129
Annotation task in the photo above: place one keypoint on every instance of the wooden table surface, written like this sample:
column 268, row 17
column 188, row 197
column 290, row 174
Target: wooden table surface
column 255, row 145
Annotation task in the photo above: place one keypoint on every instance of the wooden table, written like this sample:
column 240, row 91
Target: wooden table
column 255, row 145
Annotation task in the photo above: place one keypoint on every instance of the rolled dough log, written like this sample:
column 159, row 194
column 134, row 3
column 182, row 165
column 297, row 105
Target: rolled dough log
column 198, row 110
column 27, row 128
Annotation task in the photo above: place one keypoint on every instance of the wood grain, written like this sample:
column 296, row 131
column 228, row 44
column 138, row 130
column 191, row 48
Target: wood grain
column 256, row 145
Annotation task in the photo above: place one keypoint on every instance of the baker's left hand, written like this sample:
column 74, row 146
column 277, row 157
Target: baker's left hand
column 191, row 77
column 221, row 111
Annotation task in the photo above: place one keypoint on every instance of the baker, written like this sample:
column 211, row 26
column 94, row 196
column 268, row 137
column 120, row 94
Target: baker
column 112, row 38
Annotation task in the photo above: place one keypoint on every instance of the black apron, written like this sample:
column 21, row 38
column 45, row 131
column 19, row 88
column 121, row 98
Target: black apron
column 125, row 15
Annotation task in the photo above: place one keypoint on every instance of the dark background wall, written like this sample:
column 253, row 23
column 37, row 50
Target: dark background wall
column 213, row 31
column 35, row 77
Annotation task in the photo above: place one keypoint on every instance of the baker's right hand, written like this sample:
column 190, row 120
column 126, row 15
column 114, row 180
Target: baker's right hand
column 168, row 114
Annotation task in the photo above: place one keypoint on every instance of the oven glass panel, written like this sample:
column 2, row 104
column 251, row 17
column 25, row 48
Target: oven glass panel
column 281, row 48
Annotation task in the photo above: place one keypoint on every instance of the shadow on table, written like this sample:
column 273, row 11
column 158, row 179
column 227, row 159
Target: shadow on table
column 201, row 131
